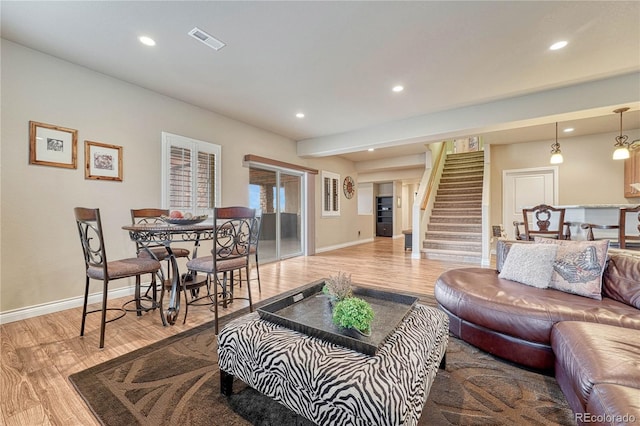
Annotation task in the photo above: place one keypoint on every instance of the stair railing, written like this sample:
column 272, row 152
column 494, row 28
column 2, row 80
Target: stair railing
column 424, row 200
column 435, row 171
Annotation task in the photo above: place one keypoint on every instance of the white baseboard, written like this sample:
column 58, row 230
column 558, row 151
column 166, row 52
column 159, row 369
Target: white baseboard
column 344, row 245
column 61, row 305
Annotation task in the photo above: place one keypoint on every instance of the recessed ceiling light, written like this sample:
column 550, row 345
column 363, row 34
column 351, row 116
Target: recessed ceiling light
column 371, row 149
column 147, row 41
column 558, row 45
column 397, row 89
column 568, row 130
column 300, row 115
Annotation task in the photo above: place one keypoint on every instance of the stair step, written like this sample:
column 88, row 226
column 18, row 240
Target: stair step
column 465, row 155
column 453, row 236
column 461, row 178
column 467, row 170
column 474, row 204
column 457, row 180
column 456, row 212
column 462, row 161
column 450, row 195
column 460, row 191
column 469, row 247
column 456, row 219
column 460, row 164
column 464, row 166
column 452, row 256
column 455, row 227
column 450, row 198
column 461, row 184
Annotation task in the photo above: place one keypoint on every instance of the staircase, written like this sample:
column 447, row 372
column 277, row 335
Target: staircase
column 454, row 231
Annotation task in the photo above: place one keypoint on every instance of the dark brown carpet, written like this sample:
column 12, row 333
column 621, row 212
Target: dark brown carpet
column 176, row 381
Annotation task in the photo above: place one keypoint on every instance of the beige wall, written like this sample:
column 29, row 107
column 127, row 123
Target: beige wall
column 334, row 231
column 40, row 255
column 588, row 175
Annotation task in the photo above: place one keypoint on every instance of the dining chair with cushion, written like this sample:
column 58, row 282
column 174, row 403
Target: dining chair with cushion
column 239, row 212
column 544, row 221
column 97, row 267
column 230, row 253
column 159, row 251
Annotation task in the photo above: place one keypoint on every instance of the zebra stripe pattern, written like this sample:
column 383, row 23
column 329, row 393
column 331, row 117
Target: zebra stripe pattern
column 330, row 384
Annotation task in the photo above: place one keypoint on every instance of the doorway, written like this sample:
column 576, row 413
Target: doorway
column 277, row 195
column 526, row 188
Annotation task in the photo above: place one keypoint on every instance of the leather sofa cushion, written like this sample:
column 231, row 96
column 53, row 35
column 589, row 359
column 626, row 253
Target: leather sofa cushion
column 611, row 404
column 622, row 279
column 479, row 296
column 596, row 353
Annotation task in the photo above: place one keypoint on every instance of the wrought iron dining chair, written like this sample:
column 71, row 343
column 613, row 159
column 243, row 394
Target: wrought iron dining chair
column 253, row 248
column 544, row 221
column 159, row 251
column 97, row 267
column 244, row 212
column 231, row 252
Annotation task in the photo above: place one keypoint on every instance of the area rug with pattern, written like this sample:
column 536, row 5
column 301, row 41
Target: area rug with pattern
column 176, row 381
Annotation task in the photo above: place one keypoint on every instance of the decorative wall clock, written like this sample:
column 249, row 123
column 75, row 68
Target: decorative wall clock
column 349, row 187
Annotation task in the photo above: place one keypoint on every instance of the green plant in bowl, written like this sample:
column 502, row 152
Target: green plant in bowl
column 355, row 313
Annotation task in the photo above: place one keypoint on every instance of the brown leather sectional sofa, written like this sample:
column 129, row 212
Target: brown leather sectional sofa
column 593, row 346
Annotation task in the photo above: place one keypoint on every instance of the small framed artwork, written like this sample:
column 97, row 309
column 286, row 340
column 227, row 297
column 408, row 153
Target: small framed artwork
column 51, row 145
column 103, row 161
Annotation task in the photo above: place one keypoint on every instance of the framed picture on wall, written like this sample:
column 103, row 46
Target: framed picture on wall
column 103, row 161
column 51, row 145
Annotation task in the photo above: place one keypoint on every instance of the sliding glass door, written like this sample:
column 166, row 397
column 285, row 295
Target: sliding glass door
column 277, row 195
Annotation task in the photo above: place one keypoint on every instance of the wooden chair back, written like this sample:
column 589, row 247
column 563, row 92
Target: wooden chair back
column 623, row 237
column 544, row 221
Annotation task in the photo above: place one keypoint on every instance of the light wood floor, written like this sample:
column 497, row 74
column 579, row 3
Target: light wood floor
column 38, row 354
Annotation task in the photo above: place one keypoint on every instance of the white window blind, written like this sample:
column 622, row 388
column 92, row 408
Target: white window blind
column 330, row 194
column 190, row 174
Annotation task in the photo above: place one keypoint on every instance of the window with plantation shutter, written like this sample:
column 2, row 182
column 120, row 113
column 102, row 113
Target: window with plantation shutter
column 190, row 174
column 330, row 194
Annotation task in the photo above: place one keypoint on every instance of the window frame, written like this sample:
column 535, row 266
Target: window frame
column 330, row 195
column 170, row 140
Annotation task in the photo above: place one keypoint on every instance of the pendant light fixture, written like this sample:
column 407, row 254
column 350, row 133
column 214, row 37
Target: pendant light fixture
column 621, row 146
column 556, row 154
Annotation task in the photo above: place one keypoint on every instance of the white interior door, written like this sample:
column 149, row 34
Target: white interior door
column 526, row 188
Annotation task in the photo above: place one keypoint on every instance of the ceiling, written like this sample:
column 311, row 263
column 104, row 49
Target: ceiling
column 337, row 61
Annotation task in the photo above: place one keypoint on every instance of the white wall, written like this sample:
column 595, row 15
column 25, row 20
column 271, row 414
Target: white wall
column 40, row 255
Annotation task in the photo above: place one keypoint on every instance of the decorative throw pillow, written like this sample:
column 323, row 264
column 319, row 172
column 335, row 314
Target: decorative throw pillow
column 579, row 266
column 530, row 264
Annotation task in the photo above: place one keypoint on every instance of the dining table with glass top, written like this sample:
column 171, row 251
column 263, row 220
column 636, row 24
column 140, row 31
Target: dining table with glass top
column 165, row 233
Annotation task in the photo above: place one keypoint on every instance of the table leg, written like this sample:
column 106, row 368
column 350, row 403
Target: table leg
column 226, row 383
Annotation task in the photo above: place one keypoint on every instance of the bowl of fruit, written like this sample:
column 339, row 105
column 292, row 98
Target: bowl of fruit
column 176, row 217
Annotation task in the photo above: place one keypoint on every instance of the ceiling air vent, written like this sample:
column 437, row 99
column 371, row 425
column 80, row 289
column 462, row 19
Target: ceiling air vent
column 207, row 39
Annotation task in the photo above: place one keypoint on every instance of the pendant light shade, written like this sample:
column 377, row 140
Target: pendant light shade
column 622, row 146
column 556, row 154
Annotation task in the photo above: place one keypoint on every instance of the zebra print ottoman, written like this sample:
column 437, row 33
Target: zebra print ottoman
column 330, row 384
